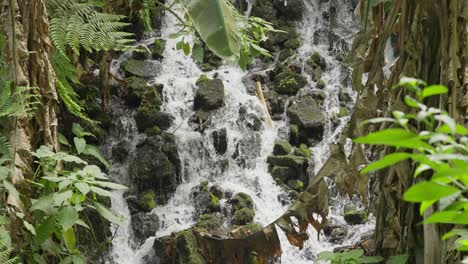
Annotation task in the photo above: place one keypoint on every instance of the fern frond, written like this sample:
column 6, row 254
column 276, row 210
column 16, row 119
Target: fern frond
column 17, row 100
column 66, row 77
column 5, row 147
column 79, row 25
column 5, row 253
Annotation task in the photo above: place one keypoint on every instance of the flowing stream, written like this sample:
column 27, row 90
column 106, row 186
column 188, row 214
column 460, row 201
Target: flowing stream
column 248, row 144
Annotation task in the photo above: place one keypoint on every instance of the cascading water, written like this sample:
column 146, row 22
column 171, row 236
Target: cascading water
column 248, row 144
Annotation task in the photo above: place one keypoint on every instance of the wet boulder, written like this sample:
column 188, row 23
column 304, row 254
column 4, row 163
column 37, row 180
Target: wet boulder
column 141, row 68
column 282, row 147
column 141, row 202
column 291, row 9
column 290, row 161
column 289, row 83
column 144, row 225
column 243, row 216
column 209, row 95
column 308, row 121
column 135, row 90
column 156, row 167
column 149, row 113
column 354, row 216
column 241, row 200
column 336, row 233
column 157, row 48
column 282, row 173
column 186, row 249
column 204, row 200
column 217, row 191
column 121, row 150
column 220, row 140
column 210, row 222
column 264, row 9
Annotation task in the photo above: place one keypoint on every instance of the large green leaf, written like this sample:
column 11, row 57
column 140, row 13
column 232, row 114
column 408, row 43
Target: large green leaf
column 216, row 25
column 428, row 191
column 104, row 212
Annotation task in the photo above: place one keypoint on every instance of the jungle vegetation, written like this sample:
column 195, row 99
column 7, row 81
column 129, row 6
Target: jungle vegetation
column 414, row 130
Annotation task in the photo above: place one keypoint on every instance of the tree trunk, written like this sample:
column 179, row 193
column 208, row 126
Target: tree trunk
column 27, row 51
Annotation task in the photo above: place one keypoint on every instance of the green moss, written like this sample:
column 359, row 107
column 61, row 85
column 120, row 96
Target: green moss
column 187, row 249
column 149, row 200
column 203, row 78
column 288, row 82
column 285, row 83
column 243, row 216
column 210, row 222
column 321, row 84
column 214, row 200
column 154, row 131
column 157, row 50
column 241, row 200
column 303, row 151
column 343, row 112
column 282, row 147
column 281, row 174
column 293, row 43
column 204, row 186
column 287, row 161
column 314, row 59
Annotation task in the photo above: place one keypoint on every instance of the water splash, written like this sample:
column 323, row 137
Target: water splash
column 248, row 146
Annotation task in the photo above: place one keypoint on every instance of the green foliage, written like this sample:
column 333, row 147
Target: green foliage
column 66, row 74
column 16, row 101
column 5, row 254
column 438, row 146
column 233, row 36
column 355, row 256
column 80, row 24
column 63, row 186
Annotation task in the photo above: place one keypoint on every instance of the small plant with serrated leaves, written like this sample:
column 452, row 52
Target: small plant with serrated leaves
column 438, row 147
column 63, row 186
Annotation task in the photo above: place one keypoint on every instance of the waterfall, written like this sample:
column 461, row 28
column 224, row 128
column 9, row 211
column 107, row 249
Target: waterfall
column 198, row 156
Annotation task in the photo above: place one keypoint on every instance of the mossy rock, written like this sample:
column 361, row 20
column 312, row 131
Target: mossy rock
column 354, row 216
column 149, row 200
column 289, row 82
column 187, row 249
column 291, row 161
column 343, row 112
column 321, row 84
column 316, row 74
column 296, row 185
column 282, row 174
column 293, row 44
column 307, row 115
column 303, row 151
column 243, row 216
column 209, row 95
column 136, row 88
column 282, row 147
column 217, row 191
column 317, row 61
column 153, row 131
column 141, row 53
column 241, row 200
column 141, row 68
column 285, row 54
column 157, row 48
column 210, row 222
column 202, row 78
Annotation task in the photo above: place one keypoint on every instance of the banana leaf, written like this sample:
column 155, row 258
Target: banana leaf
column 215, row 22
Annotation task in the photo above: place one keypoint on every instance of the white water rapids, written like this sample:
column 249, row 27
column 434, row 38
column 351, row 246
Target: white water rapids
column 199, row 158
